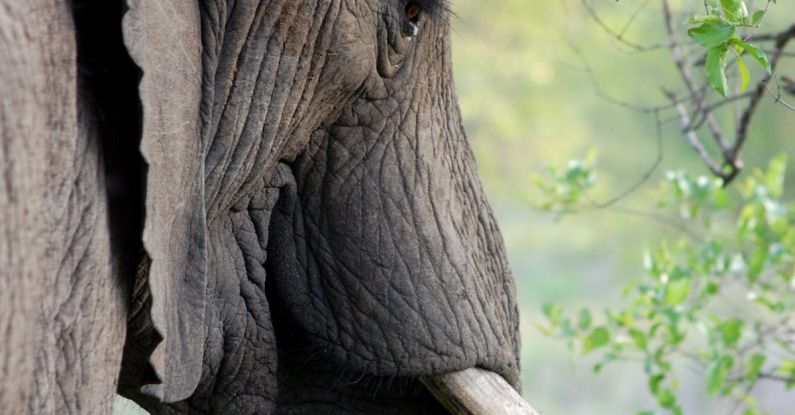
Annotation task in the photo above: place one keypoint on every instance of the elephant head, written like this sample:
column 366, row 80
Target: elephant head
column 315, row 238
column 315, row 223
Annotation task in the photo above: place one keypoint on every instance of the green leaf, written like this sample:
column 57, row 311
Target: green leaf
column 730, row 331
column 639, row 337
column 716, row 69
column 756, row 264
column 734, row 10
column 774, row 177
column 757, row 17
column 585, row 319
column 711, row 33
column 676, row 291
column 598, row 337
column 666, row 398
column 717, row 370
column 704, row 19
column 552, row 312
column 745, row 76
column 720, row 198
column 760, row 57
column 654, row 382
column 710, row 288
column 755, row 363
column 713, row 8
column 758, row 54
column 787, row 369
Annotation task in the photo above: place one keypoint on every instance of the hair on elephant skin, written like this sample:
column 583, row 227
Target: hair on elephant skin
column 240, row 206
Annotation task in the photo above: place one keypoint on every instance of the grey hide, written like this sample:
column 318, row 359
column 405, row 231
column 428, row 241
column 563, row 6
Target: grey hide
column 278, row 195
column 163, row 39
column 62, row 304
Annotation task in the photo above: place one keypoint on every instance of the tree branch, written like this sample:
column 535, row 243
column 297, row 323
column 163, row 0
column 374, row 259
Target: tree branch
column 782, row 39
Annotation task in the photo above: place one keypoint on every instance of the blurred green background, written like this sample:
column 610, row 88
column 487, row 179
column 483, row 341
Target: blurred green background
column 528, row 102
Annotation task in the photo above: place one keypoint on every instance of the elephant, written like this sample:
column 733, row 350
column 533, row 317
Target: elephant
column 241, row 206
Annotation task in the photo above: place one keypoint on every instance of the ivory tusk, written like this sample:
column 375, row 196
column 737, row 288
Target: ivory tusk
column 476, row 391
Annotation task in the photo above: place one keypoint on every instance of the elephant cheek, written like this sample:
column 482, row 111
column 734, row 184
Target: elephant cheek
column 241, row 358
column 389, row 268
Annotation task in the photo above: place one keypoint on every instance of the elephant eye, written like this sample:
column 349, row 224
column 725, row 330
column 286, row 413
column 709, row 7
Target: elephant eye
column 411, row 26
column 412, row 11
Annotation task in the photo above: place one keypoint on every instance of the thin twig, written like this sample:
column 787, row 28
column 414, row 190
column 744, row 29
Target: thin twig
column 607, row 97
column 699, row 113
column 745, row 119
column 632, row 18
column 695, row 142
column 619, row 36
column 659, row 219
column 708, row 109
column 697, row 98
column 646, row 176
column 777, row 378
column 777, row 97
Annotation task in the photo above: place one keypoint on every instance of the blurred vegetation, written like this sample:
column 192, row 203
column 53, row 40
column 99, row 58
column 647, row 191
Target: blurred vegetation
column 720, row 299
column 541, row 84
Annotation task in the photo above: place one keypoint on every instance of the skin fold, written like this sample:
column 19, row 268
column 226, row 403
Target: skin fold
column 303, row 230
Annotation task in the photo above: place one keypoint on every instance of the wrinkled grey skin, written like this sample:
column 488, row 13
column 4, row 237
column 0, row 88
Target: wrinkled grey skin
column 303, row 230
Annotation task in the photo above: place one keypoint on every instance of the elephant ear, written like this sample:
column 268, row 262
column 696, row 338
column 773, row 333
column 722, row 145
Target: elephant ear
column 164, row 40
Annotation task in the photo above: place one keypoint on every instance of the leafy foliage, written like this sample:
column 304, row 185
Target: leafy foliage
column 564, row 189
column 717, row 32
column 722, row 304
